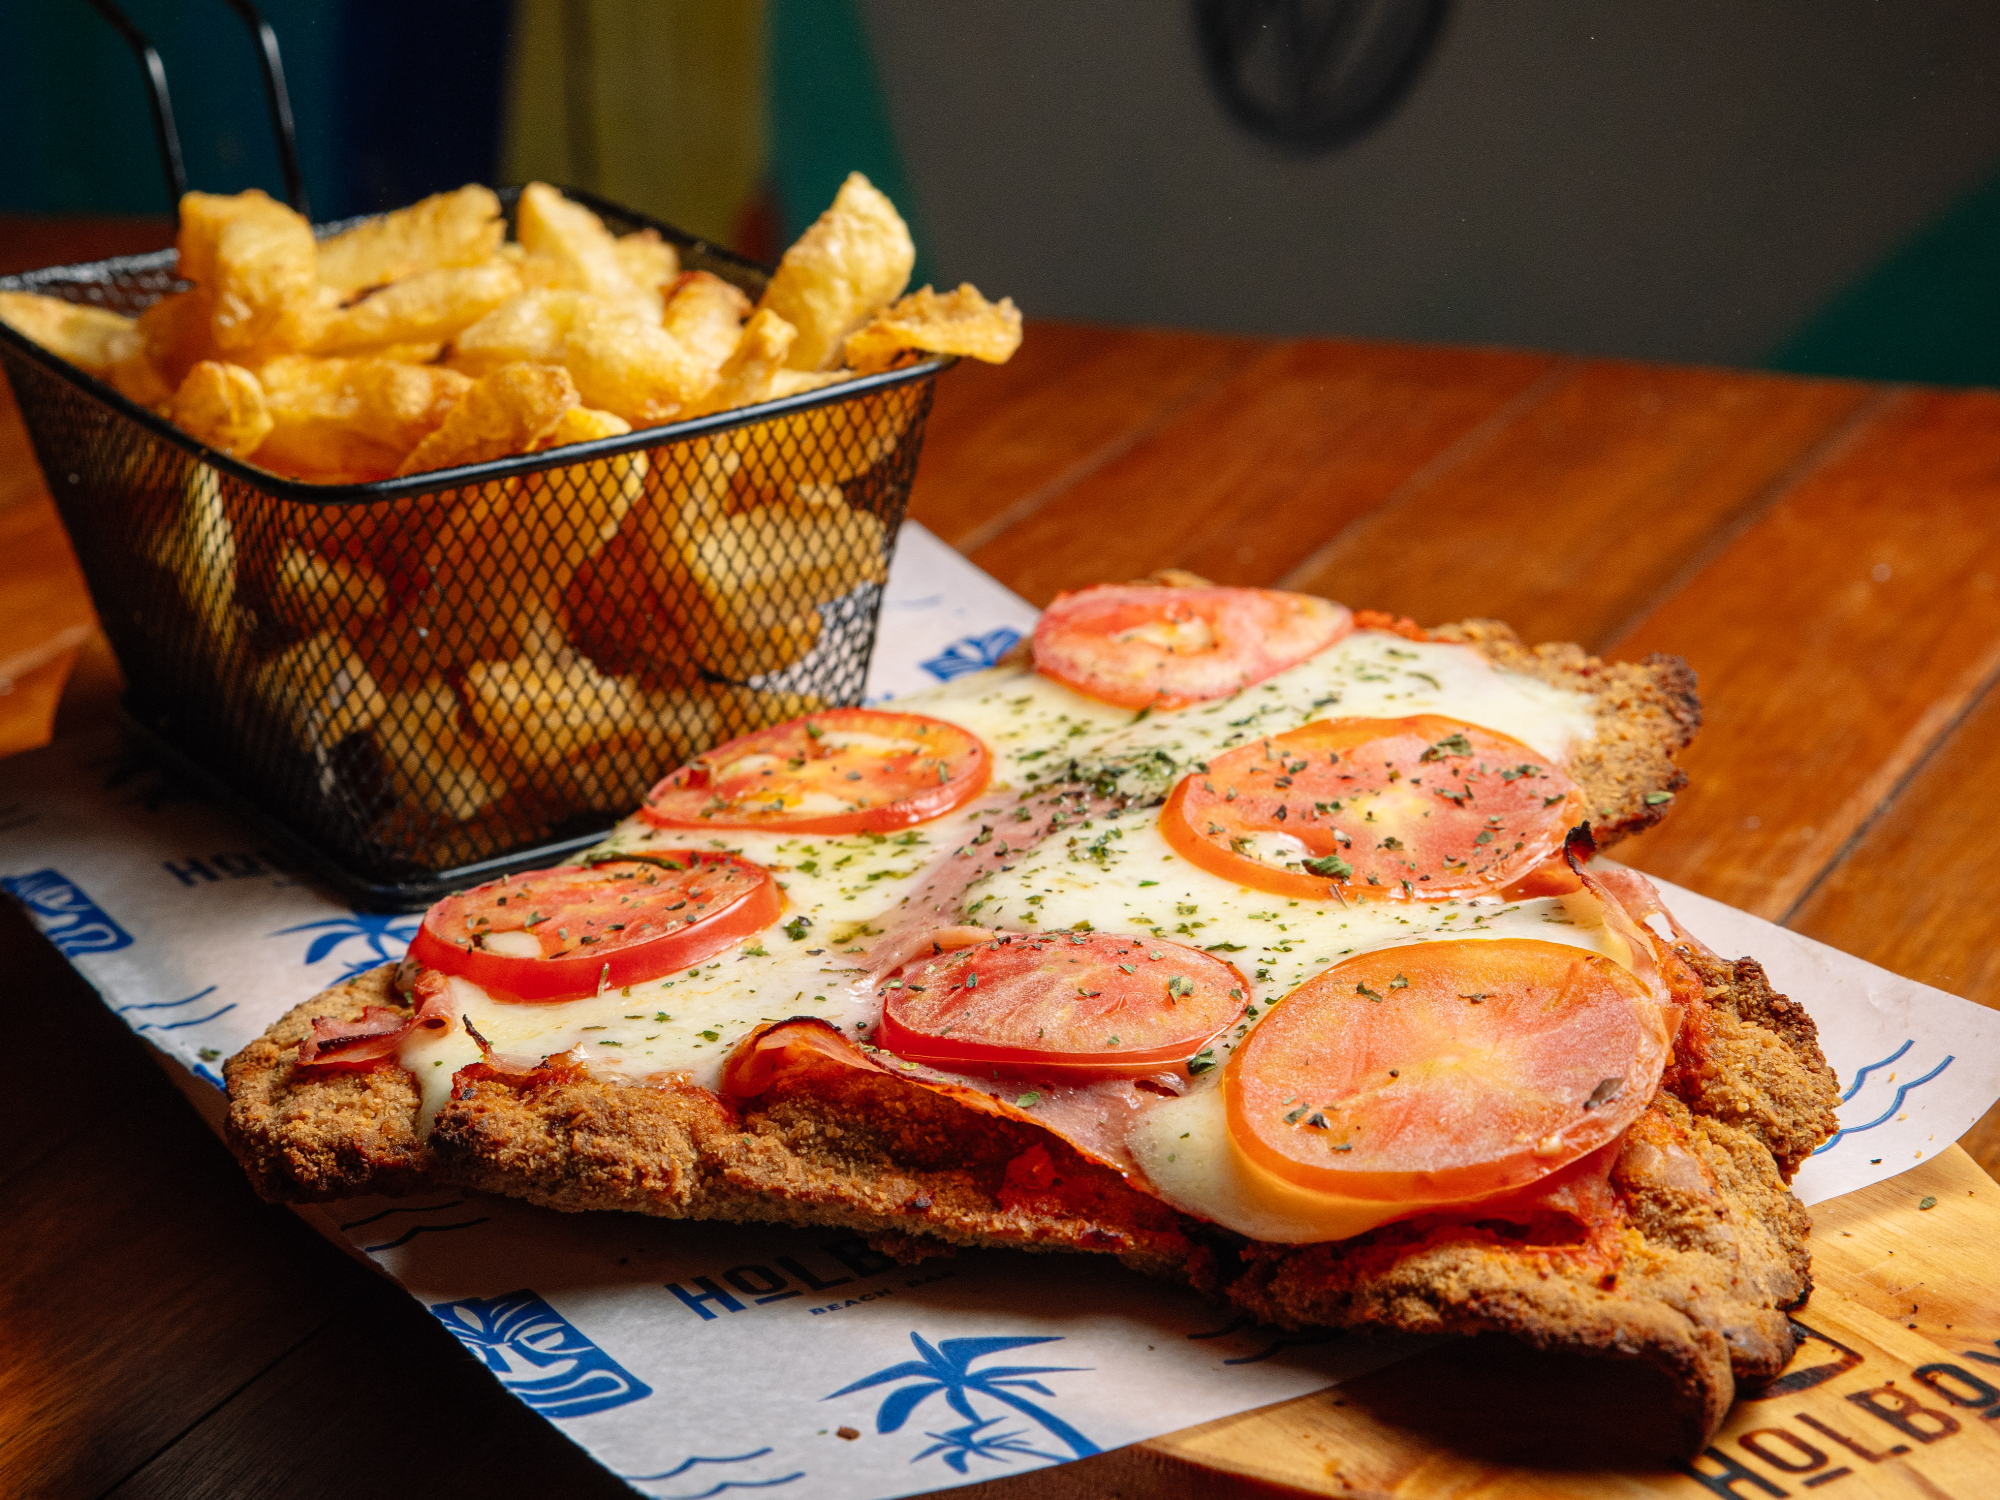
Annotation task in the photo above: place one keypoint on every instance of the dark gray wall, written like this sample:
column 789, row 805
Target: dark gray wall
column 1684, row 181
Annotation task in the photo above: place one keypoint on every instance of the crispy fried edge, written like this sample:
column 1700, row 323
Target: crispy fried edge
column 307, row 1140
column 1692, row 1280
column 1647, row 713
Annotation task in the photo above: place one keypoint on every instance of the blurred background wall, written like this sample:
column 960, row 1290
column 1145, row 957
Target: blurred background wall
column 1806, row 184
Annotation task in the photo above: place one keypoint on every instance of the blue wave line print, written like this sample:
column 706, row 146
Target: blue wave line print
column 688, row 1463
column 428, row 1208
column 1902, row 1092
column 404, row 1239
column 177, row 1025
column 736, row 1484
column 1286, row 1341
column 169, row 1004
column 1862, row 1077
column 1234, row 1325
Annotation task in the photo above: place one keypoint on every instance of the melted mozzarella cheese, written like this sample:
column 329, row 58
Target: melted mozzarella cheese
column 1192, row 1161
column 1370, row 674
column 1114, row 873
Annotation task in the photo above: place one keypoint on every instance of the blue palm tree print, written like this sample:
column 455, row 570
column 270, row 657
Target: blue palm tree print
column 946, row 1369
column 958, row 1444
column 384, row 937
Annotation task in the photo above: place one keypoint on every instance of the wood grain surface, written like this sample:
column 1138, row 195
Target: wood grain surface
column 1826, row 554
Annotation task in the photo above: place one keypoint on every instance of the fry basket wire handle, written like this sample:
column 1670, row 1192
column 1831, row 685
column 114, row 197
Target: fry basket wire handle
column 269, row 62
column 280, row 100
column 157, row 96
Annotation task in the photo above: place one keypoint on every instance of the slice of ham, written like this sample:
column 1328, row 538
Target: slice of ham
column 356, row 1044
column 1093, row 1117
column 378, row 1035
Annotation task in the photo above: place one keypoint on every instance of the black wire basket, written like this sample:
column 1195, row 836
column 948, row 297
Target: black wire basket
column 422, row 682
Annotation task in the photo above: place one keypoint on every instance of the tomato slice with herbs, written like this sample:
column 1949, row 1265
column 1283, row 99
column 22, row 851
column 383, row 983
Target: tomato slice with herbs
column 1424, row 808
column 1060, row 1002
column 565, row 933
column 1140, row 646
column 1439, row 1072
column 844, row 770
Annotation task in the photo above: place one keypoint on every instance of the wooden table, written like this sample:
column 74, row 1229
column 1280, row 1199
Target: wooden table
column 1828, row 556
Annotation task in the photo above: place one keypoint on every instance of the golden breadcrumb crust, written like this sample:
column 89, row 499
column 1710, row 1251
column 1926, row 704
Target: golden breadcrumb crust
column 1690, row 1272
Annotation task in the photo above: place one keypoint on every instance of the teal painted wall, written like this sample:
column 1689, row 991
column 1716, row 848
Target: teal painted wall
column 1930, row 312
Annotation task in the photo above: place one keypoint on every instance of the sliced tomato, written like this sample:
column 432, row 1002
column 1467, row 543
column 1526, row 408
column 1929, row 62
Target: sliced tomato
column 1424, row 808
column 1439, row 1072
column 565, row 933
column 1146, row 647
column 845, row 770
column 1064, row 1003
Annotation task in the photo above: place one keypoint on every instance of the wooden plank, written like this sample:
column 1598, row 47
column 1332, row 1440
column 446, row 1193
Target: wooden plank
column 53, row 1013
column 1588, row 504
column 1261, row 471
column 144, row 1285
column 1837, row 638
column 380, row 1402
column 1885, row 901
column 1494, row 1419
column 29, row 242
column 1005, row 438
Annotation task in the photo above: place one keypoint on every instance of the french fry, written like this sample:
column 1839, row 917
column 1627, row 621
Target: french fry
column 612, row 778
column 614, row 614
column 626, row 364
column 257, row 262
column 428, row 306
column 960, row 322
column 533, row 326
column 505, row 412
column 223, row 406
column 541, row 710
column 439, row 632
column 356, row 418
column 745, row 589
column 310, row 588
column 91, row 338
column 705, row 315
column 199, row 549
column 322, row 690
column 449, row 229
column 756, row 361
column 647, row 259
column 174, row 334
column 868, row 428
column 580, row 507
column 549, row 224
column 433, row 762
column 855, row 259
column 402, row 354
column 134, row 375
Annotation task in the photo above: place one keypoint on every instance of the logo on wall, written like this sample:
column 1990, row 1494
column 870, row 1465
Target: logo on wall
column 539, row 1355
column 69, row 918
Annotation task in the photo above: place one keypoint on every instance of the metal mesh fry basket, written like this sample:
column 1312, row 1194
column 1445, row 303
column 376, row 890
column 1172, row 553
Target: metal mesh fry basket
column 420, row 683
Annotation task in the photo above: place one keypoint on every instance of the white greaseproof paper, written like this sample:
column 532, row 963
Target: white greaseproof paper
column 692, row 1358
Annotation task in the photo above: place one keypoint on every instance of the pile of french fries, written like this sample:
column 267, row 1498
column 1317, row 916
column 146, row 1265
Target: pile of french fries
column 520, row 650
